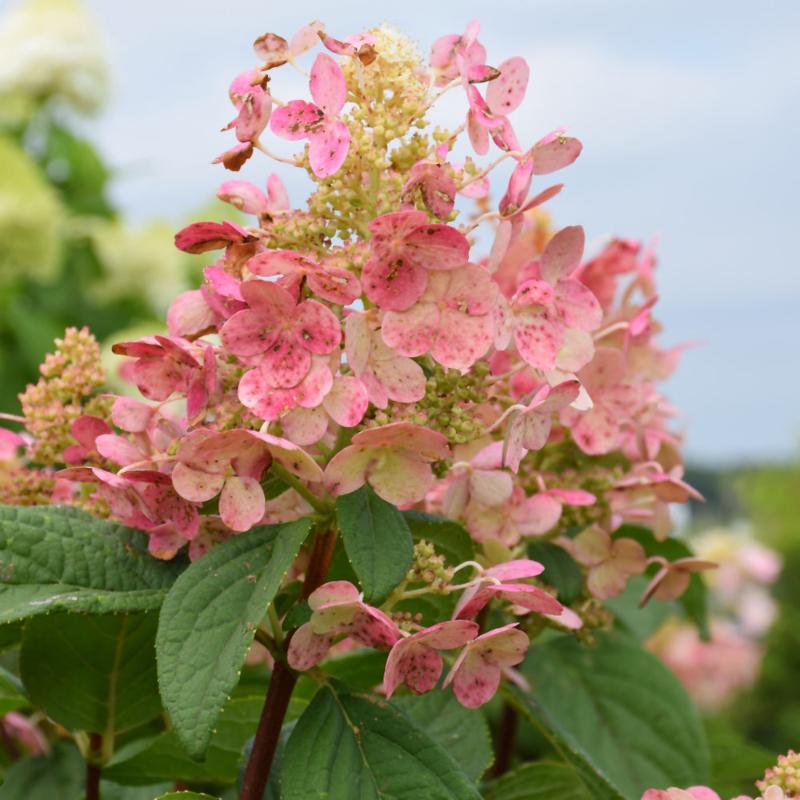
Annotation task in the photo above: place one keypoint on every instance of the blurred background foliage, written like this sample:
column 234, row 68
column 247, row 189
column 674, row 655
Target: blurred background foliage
column 67, row 257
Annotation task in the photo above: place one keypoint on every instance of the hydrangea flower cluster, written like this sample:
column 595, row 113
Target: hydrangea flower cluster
column 371, row 339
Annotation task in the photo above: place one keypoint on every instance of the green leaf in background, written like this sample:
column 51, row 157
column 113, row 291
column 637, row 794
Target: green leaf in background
column 447, row 536
column 560, row 570
column 460, row 731
column 641, row 622
column 542, row 780
column 59, row 776
column 163, row 757
column 208, row 621
column 618, row 709
column 735, row 762
column 377, row 541
column 12, row 692
column 694, row 599
column 92, row 673
column 57, row 558
column 360, row 747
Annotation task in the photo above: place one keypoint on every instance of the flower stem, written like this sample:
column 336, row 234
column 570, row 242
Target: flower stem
column 93, row 767
column 315, row 502
column 282, row 682
column 506, row 733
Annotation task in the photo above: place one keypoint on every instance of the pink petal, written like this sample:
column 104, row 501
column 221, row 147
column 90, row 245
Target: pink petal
column 277, row 196
column 423, row 442
column 417, row 666
column 189, row 314
column 158, row 378
column 516, row 569
column 529, row 597
column 327, row 84
column 195, row 485
column 411, row 332
column 544, row 512
column 270, row 300
column 328, row 148
column 462, row 339
column 347, row 401
column 200, row 237
column 305, row 38
column 293, row 458
column 554, row 152
column 578, row 306
column 248, row 333
column 537, row 338
column 372, row 628
column 333, row 592
column 448, row 635
column 478, row 135
column 241, row 503
column 335, row 285
column 563, row 254
column 272, row 49
column 305, row 426
column 296, row 120
column 316, row 327
column 393, row 285
column 518, row 186
column 118, row 449
column 307, row 649
column 436, row 247
column 243, row 195
column 490, row 487
column 87, row 428
column 286, row 363
column 506, row 92
column 577, row 350
column 573, row 497
column 347, row 470
column 400, row 478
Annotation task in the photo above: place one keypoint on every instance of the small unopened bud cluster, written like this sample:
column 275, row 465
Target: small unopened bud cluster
column 70, row 376
column 785, row 774
column 429, row 567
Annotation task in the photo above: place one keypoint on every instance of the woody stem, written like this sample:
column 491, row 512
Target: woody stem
column 282, row 682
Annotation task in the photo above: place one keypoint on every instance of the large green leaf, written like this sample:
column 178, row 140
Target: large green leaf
column 92, row 673
column 616, row 713
column 735, row 762
column 58, row 558
column 460, row 731
column 358, row 747
column 542, row 780
column 208, row 621
column 59, row 775
column 377, row 541
column 446, row 535
column 185, row 796
column 12, row 692
column 162, row 757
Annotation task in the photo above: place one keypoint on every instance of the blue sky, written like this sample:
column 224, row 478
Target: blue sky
column 689, row 113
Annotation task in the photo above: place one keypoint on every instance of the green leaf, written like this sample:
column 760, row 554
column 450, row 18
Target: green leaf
column 12, row 692
column 377, row 541
column 560, row 570
column 447, row 536
column 162, row 757
column 186, row 796
column 694, row 600
column 735, row 762
column 92, row 673
column 57, row 558
column 113, row 791
column 59, row 775
column 542, row 780
column 616, row 713
column 208, row 621
column 641, row 622
column 460, row 731
column 359, row 747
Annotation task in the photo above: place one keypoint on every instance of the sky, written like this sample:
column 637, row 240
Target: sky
column 688, row 111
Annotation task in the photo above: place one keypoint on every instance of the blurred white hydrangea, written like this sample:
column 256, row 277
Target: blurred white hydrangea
column 51, row 48
column 138, row 261
column 31, row 218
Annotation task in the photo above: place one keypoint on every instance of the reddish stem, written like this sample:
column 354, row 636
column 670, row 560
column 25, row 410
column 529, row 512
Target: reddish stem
column 506, row 733
column 93, row 768
column 282, row 683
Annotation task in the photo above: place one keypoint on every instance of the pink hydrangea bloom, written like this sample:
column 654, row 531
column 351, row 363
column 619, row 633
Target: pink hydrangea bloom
column 253, row 103
column 546, row 307
column 692, row 793
column 338, row 608
column 394, row 459
column 416, row 661
column 328, row 136
column 249, row 199
column 476, row 673
column 405, row 246
column 452, row 319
